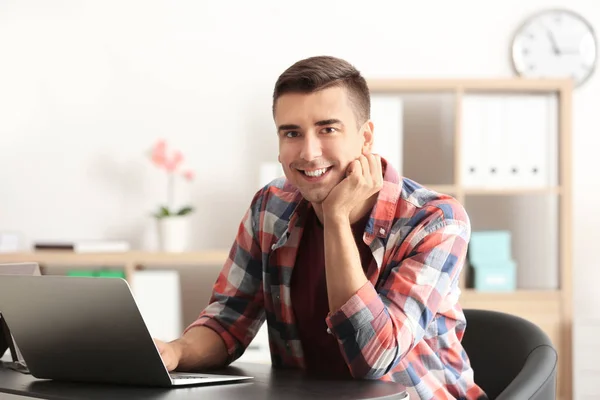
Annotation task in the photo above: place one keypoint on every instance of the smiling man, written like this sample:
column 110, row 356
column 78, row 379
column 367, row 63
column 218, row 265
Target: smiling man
column 354, row 268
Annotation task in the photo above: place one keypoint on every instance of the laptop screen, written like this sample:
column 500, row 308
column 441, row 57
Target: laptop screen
column 6, row 340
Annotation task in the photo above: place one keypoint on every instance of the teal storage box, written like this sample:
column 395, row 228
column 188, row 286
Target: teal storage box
column 495, row 276
column 490, row 246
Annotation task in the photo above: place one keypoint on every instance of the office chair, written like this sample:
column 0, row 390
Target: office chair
column 512, row 358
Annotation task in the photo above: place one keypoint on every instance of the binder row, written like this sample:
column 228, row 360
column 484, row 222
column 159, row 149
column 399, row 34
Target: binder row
column 509, row 141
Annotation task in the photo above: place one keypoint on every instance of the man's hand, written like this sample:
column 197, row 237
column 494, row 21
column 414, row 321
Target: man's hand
column 364, row 178
column 170, row 354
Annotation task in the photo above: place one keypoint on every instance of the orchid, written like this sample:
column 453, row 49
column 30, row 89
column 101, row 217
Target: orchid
column 171, row 162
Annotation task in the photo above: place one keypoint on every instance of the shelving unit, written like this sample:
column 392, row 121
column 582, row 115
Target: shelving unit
column 551, row 307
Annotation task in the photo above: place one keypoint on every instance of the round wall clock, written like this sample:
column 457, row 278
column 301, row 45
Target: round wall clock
column 555, row 44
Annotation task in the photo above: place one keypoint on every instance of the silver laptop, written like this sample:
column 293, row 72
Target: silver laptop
column 86, row 329
column 7, row 341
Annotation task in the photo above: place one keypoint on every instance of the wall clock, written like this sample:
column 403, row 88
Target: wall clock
column 555, row 43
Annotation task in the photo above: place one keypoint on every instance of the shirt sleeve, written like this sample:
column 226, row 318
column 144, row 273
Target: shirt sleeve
column 376, row 328
column 236, row 306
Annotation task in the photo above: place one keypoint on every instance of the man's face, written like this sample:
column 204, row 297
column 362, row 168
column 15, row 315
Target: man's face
column 318, row 138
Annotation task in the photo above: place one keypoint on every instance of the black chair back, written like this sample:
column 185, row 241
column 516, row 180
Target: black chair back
column 512, row 358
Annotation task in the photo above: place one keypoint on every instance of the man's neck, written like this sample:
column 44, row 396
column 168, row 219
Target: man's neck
column 355, row 215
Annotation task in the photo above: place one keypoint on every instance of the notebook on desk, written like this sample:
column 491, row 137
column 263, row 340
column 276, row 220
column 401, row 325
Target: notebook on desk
column 86, row 329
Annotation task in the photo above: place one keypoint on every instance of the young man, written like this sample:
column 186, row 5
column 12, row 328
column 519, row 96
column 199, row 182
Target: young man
column 355, row 269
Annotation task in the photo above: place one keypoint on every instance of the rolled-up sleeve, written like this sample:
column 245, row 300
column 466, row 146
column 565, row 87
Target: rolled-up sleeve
column 376, row 328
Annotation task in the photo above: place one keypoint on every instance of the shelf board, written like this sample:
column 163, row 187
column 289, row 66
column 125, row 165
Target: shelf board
column 516, row 295
column 384, row 85
column 556, row 190
column 446, row 189
column 67, row 258
column 482, row 191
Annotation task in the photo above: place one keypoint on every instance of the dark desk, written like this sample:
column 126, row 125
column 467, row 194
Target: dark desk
column 268, row 383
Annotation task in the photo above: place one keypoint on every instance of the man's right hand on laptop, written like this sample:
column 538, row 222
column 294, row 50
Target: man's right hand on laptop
column 201, row 348
column 168, row 353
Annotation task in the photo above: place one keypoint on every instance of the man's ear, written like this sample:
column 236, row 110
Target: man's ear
column 367, row 134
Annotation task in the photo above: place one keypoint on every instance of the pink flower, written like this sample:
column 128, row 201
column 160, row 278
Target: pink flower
column 159, row 153
column 170, row 161
column 189, row 175
column 172, row 164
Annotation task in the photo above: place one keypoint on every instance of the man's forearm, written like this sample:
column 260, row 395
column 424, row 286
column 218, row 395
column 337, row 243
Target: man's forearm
column 200, row 348
column 343, row 267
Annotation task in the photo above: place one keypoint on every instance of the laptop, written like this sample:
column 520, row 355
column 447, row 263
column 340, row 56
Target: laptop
column 87, row 329
column 7, row 341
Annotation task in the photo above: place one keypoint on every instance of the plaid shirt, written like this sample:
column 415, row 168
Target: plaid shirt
column 404, row 325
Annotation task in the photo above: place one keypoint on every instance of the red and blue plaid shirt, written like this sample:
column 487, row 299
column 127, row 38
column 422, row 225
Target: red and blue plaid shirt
column 404, row 325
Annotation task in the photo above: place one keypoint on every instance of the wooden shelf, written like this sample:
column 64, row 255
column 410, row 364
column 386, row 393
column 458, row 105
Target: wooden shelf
column 473, row 191
column 117, row 259
column 485, row 85
column 445, row 189
column 520, row 295
column 128, row 259
column 512, row 191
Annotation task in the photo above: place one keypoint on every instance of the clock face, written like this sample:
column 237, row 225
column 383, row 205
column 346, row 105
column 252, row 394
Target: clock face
column 555, row 44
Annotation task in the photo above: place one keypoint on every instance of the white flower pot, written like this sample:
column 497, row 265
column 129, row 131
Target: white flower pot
column 173, row 233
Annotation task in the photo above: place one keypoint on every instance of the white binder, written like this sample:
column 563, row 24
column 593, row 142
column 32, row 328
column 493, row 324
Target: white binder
column 533, row 135
column 471, row 144
column 509, row 141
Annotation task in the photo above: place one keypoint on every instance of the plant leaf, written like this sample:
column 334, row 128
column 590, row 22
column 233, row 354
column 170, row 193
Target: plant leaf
column 185, row 210
column 163, row 212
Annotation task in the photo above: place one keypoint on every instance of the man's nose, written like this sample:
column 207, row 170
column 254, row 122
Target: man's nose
column 311, row 148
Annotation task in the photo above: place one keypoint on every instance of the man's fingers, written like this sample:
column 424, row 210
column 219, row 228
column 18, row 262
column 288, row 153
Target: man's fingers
column 354, row 168
column 366, row 171
column 372, row 165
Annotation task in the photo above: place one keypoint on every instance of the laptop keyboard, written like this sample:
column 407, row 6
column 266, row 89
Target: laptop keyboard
column 184, row 376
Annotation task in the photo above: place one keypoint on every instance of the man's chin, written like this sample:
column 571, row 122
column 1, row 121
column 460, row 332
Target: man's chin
column 315, row 197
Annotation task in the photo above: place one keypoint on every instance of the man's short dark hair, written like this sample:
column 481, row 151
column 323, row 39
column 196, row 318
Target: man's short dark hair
column 322, row 72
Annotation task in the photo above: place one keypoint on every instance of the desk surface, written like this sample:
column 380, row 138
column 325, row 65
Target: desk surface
column 268, row 383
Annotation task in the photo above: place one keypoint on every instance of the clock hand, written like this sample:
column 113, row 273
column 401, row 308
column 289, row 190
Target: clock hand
column 555, row 47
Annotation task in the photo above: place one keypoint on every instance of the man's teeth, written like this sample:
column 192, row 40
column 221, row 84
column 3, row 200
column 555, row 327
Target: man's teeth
column 317, row 172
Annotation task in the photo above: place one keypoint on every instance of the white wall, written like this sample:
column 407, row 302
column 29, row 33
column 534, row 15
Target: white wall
column 87, row 86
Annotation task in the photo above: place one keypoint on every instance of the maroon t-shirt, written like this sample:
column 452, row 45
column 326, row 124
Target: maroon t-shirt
column 309, row 298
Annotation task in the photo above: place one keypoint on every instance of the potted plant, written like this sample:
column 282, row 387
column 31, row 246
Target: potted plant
column 172, row 221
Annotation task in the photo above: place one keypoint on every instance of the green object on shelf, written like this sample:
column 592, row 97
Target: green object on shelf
column 81, row 272
column 111, row 274
column 102, row 273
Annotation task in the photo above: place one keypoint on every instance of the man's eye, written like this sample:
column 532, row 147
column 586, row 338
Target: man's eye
column 291, row 134
column 329, row 130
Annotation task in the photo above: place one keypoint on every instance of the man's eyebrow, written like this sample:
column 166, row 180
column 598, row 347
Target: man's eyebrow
column 329, row 122
column 287, row 127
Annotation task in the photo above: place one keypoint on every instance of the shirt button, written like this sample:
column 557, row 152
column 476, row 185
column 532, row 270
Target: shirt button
column 381, row 231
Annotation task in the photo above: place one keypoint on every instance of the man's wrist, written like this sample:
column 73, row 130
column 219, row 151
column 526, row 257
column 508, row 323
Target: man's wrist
column 178, row 347
column 335, row 219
